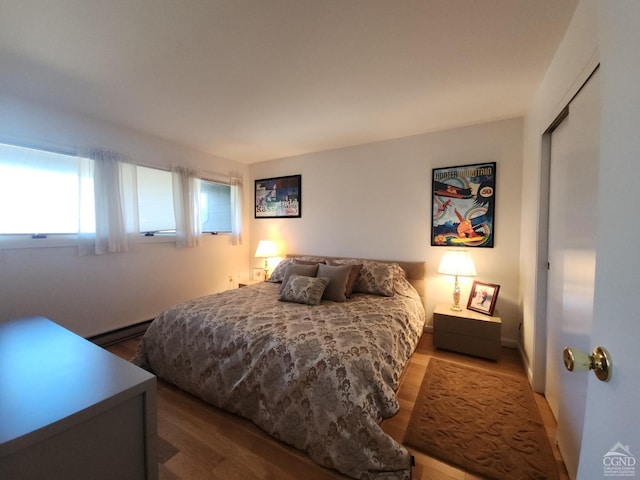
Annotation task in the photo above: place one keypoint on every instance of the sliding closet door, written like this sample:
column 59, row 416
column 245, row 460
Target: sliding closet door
column 573, row 197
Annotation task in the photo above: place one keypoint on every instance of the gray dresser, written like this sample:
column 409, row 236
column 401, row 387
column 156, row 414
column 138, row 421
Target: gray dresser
column 71, row 410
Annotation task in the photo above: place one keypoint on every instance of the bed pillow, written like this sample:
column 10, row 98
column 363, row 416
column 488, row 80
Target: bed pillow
column 375, row 278
column 402, row 286
column 307, row 262
column 298, row 269
column 301, row 289
column 278, row 272
column 338, row 276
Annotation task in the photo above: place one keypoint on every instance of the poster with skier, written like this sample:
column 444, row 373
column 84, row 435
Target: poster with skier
column 463, row 205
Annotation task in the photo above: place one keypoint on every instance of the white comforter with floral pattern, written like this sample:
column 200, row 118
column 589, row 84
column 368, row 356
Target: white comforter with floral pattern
column 320, row 378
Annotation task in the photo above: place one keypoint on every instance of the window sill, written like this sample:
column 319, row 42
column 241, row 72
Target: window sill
column 25, row 241
column 9, row 242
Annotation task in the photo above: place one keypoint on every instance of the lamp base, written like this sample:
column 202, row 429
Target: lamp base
column 456, row 298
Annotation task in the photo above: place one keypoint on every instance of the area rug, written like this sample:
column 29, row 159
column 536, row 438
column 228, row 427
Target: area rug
column 485, row 423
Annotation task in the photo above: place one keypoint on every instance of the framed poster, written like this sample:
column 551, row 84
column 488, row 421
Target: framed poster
column 278, row 197
column 463, row 205
column 483, row 297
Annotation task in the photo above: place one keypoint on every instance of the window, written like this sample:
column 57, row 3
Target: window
column 47, row 193
column 155, row 203
column 215, row 207
column 155, row 200
column 39, row 192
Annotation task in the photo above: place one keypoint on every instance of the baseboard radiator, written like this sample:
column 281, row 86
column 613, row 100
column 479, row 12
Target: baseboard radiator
column 120, row 334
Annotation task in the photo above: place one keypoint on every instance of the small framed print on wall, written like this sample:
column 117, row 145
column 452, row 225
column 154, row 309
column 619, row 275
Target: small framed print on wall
column 278, row 197
column 483, row 297
column 463, row 205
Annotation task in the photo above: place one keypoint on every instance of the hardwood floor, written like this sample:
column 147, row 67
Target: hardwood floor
column 205, row 443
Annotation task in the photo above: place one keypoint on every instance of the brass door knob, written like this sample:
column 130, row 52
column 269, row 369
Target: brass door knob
column 599, row 361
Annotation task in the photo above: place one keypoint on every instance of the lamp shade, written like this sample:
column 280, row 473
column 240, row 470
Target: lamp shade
column 266, row 249
column 457, row 262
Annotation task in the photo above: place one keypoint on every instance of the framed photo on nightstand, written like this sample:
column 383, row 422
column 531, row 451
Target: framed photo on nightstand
column 483, row 297
column 258, row 274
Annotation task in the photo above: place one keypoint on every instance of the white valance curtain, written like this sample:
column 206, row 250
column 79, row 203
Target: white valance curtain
column 186, row 206
column 236, row 211
column 111, row 181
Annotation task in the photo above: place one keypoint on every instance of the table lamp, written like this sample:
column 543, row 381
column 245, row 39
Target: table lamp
column 266, row 249
column 457, row 263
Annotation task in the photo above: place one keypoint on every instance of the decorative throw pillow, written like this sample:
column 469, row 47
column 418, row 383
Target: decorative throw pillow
column 353, row 275
column 338, row 277
column 353, row 278
column 307, row 290
column 298, row 269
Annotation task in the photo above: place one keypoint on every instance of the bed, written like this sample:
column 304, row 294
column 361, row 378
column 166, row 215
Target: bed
column 320, row 377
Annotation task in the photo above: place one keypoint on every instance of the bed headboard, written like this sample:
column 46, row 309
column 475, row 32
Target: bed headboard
column 416, row 271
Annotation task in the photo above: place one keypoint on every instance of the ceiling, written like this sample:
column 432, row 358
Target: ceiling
column 253, row 80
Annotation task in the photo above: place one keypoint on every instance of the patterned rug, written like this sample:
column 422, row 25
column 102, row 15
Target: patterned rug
column 485, row 423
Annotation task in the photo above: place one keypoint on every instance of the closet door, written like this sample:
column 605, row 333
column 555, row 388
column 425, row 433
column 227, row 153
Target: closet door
column 573, row 195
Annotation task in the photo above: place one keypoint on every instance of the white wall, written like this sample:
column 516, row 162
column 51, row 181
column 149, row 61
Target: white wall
column 575, row 59
column 374, row 201
column 95, row 294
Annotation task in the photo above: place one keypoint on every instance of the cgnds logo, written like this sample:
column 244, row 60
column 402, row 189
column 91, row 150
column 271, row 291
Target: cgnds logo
column 619, row 462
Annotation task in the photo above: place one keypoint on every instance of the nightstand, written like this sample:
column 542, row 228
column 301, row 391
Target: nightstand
column 246, row 283
column 467, row 332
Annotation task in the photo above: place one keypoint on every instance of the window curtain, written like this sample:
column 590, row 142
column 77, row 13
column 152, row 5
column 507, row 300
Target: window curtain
column 186, row 206
column 111, row 181
column 236, row 211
